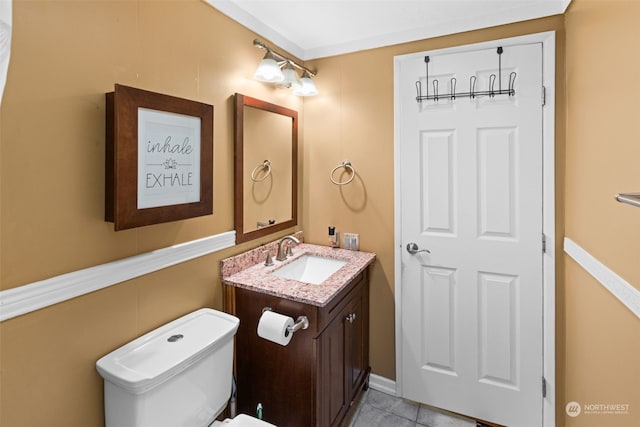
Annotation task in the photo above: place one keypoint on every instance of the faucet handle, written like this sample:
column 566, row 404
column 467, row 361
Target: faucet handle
column 269, row 260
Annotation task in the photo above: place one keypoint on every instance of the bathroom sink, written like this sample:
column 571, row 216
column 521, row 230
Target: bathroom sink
column 312, row 269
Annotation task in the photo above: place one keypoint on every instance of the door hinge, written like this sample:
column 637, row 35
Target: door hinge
column 544, row 387
column 544, row 96
column 544, row 243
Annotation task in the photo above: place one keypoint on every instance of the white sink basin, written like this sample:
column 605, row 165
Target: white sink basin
column 312, row 269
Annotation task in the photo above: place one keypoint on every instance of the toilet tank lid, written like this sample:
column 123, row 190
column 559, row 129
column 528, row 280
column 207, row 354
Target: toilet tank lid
column 162, row 353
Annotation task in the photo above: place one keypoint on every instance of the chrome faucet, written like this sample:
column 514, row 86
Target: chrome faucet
column 282, row 255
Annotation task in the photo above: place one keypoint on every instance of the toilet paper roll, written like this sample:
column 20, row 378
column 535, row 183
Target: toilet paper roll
column 273, row 327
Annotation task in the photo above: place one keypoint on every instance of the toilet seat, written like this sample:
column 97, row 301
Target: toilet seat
column 243, row 420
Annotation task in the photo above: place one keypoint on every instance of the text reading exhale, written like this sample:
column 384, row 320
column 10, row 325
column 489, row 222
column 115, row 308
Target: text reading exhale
column 160, row 180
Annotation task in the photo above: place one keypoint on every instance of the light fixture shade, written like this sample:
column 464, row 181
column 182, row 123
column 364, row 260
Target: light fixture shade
column 290, row 76
column 269, row 70
column 306, row 87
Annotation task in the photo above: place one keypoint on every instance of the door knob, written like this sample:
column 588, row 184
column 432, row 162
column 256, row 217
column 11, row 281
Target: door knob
column 413, row 249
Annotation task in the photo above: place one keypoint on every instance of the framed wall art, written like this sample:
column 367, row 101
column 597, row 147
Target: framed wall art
column 159, row 158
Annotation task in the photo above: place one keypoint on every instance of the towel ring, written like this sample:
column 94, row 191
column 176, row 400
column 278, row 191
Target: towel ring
column 266, row 165
column 347, row 165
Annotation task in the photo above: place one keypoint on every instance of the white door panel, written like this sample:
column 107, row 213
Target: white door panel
column 471, row 193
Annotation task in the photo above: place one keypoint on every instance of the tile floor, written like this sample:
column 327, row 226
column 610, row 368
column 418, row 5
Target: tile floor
column 377, row 409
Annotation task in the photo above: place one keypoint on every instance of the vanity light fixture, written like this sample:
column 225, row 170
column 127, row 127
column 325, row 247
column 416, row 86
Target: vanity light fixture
column 279, row 69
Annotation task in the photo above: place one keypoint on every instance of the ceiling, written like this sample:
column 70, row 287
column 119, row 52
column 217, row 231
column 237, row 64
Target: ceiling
column 312, row 29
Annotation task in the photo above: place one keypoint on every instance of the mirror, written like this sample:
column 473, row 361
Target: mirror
column 266, row 166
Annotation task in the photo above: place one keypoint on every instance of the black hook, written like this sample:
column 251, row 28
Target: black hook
column 472, row 87
column 512, row 81
column 492, row 83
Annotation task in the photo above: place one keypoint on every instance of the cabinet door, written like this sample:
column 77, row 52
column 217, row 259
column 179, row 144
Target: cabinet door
column 356, row 336
column 333, row 380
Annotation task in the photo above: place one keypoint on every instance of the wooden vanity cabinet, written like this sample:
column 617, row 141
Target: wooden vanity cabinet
column 315, row 378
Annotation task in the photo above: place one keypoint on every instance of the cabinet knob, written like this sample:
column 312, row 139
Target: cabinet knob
column 351, row 317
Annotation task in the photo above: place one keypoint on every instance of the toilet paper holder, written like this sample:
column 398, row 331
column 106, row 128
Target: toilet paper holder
column 301, row 323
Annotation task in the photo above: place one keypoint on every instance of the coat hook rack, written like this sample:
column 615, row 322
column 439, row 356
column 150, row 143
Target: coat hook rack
column 472, row 93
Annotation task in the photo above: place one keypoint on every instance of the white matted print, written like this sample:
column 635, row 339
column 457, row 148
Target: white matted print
column 168, row 158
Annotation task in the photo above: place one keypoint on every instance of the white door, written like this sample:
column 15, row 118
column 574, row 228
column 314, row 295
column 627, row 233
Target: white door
column 471, row 194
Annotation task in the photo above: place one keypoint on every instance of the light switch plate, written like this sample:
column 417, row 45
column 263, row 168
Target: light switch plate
column 351, row 241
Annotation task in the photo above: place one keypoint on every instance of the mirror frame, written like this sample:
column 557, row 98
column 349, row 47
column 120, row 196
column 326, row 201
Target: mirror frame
column 242, row 101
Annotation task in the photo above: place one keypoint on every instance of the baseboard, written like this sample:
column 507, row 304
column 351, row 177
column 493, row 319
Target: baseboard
column 382, row 384
column 34, row 296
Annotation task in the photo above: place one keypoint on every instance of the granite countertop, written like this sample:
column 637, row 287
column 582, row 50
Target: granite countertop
column 242, row 271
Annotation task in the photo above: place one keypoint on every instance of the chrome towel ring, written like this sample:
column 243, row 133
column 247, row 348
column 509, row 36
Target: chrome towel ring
column 630, row 198
column 346, row 165
column 266, row 165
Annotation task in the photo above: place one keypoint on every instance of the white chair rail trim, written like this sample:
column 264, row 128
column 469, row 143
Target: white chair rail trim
column 620, row 288
column 34, row 296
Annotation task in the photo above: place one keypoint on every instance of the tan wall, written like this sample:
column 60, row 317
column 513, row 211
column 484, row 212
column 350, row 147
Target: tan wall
column 65, row 56
column 602, row 337
column 603, row 138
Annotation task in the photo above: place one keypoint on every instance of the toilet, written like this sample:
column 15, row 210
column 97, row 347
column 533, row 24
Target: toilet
column 179, row 375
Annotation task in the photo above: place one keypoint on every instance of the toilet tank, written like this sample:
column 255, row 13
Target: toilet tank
column 178, row 375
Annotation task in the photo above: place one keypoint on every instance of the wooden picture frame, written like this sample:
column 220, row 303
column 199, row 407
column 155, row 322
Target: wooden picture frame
column 159, row 158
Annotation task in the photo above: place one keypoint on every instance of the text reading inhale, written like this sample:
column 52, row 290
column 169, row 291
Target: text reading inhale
column 168, row 147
